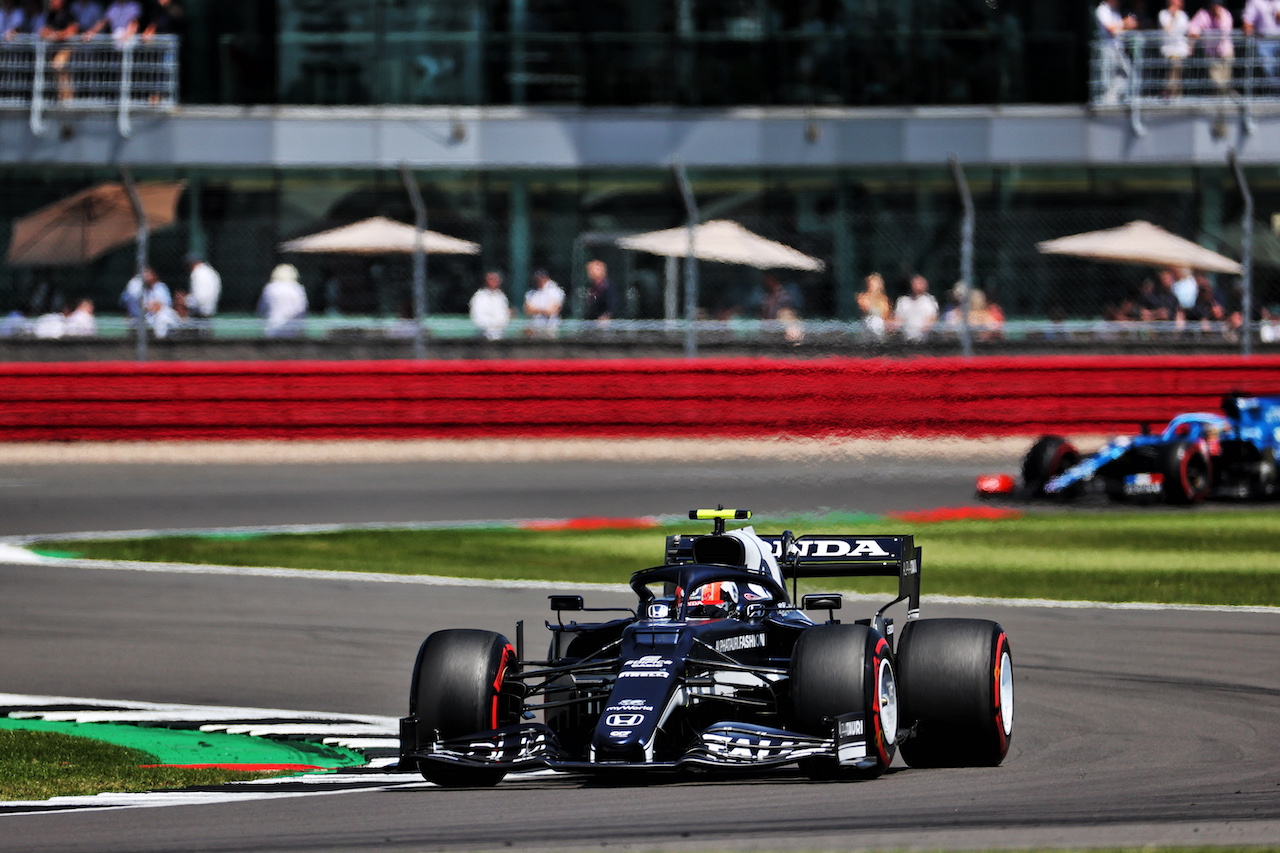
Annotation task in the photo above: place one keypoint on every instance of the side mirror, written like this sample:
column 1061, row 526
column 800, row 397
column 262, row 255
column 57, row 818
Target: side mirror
column 571, row 603
column 828, row 601
column 822, row 601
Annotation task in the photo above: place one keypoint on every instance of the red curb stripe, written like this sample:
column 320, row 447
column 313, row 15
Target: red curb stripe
column 959, row 513
column 591, row 524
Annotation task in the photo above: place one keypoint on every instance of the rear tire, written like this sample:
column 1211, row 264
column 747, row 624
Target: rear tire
column 844, row 669
column 955, row 678
column 1188, row 473
column 1047, row 458
column 457, row 691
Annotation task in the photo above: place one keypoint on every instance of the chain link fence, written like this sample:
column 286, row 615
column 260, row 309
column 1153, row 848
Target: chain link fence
column 1051, row 301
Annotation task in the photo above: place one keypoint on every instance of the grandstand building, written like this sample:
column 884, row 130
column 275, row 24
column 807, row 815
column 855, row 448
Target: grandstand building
column 544, row 129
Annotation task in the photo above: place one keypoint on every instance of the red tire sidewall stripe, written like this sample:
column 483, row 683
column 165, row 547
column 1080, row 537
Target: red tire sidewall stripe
column 999, row 721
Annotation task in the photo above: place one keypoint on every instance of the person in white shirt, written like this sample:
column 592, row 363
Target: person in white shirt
column 80, row 323
column 283, row 302
column 149, row 296
column 206, row 288
column 916, row 313
column 490, row 310
column 1175, row 47
column 1261, row 21
column 1186, row 289
column 542, row 303
column 1115, row 65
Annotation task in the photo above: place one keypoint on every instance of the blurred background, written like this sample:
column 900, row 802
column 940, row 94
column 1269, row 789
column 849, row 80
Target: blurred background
column 545, row 130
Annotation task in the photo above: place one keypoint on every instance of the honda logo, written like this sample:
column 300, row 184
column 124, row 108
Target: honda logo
column 622, row 721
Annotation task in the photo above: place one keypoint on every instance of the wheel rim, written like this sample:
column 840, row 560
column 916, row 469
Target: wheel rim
column 1197, row 476
column 1006, row 693
column 888, row 700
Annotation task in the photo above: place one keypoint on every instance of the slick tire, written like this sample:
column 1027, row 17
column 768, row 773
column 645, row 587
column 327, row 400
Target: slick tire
column 1047, row 458
column 843, row 669
column 457, row 691
column 1188, row 473
column 955, row 680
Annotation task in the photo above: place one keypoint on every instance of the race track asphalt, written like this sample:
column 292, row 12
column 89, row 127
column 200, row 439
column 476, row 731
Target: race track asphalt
column 1133, row 726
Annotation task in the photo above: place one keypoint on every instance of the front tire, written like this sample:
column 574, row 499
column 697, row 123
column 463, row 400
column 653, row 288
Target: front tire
column 1047, row 458
column 457, row 691
column 955, row 678
column 1188, row 473
column 1263, row 480
column 843, row 669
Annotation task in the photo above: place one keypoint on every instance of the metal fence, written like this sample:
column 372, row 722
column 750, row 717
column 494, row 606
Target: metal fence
column 1145, row 69
column 100, row 74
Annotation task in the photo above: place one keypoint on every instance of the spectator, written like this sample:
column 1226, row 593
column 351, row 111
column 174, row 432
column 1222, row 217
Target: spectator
column 13, row 19
column 149, row 297
column 1261, row 20
column 60, row 25
column 1115, row 65
column 779, row 302
column 778, row 299
column 206, row 288
column 1185, row 289
column 601, row 300
column 1207, row 307
column 80, row 323
column 542, row 304
column 1175, row 48
column 120, row 19
column 874, row 305
column 1156, row 301
column 490, row 310
column 87, row 13
column 163, row 17
column 1216, row 23
column 915, row 313
column 986, row 319
column 283, row 302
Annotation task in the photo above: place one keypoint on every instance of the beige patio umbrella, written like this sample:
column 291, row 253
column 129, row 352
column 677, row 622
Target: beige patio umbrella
column 1143, row 244
column 87, row 225
column 378, row 236
column 725, row 242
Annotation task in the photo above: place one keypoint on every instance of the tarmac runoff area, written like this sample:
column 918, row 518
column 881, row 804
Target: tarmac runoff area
column 1005, row 449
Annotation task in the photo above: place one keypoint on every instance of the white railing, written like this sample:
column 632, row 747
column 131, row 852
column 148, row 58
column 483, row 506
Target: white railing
column 97, row 75
column 1140, row 69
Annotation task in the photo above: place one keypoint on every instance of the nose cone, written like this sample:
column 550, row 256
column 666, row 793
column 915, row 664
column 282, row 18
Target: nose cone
column 629, row 724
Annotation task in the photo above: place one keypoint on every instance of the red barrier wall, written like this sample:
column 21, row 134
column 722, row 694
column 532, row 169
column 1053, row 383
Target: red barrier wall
column 722, row 397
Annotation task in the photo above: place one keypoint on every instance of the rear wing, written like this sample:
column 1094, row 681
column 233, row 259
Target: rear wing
column 831, row 556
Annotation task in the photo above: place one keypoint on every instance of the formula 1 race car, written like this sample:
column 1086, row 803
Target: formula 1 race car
column 1197, row 454
column 717, row 668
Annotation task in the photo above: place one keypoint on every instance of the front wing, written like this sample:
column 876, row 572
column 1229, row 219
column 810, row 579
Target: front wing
column 728, row 745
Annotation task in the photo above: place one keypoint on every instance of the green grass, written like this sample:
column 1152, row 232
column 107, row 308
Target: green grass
column 40, row 765
column 1194, row 557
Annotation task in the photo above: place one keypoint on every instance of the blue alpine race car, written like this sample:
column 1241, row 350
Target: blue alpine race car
column 1200, row 453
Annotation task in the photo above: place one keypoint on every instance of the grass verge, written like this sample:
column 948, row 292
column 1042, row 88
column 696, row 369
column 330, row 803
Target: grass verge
column 1193, row 557
column 40, row 765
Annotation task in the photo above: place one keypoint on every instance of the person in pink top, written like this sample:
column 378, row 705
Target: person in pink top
column 1261, row 21
column 1212, row 27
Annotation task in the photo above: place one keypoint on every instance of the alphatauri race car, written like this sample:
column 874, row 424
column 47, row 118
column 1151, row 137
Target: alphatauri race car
column 717, row 668
column 1197, row 455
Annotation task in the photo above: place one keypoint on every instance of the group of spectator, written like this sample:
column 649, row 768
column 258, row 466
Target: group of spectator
column 491, row 312
column 916, row 313
column 64, row 20
column 68, row 22
column 1182, row 297
column 1211, row 28
column 148, row 297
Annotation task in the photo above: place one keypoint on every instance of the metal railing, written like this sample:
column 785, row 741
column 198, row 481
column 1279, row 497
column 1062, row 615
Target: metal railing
column 1143, row 69
column 98, row 75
